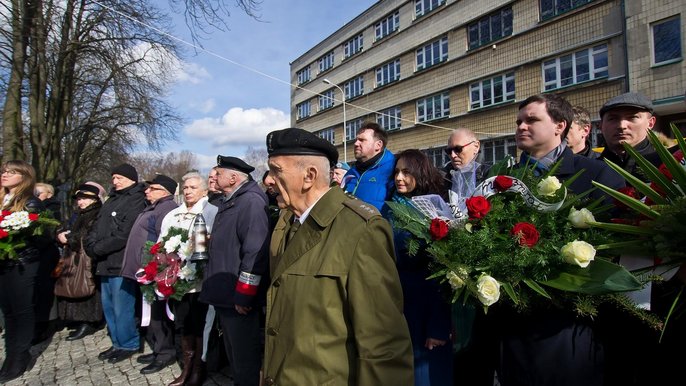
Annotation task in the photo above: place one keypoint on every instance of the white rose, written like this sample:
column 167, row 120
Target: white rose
column 580, row 218
column 549, row 186
column 454, row 280
column 172, row 244
column 578, row 252
column 187, row 272
column 488, row 290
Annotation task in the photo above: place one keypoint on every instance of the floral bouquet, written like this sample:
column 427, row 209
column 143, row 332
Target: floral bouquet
column 17, row 227
column 167, row 272
column 533, row 244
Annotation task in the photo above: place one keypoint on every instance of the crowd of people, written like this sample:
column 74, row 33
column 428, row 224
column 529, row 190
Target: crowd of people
column 308, row 277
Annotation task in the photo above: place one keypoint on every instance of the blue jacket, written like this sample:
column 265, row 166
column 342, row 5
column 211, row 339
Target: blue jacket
column 375, row 184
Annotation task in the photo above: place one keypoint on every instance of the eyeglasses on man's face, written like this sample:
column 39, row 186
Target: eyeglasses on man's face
column 152, row 188
column 457, row 149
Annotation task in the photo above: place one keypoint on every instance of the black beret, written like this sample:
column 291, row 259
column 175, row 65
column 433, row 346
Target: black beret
column 294, row 141
column 87, row 191
column 228, row 162
column 167, row 182
column 630, row 99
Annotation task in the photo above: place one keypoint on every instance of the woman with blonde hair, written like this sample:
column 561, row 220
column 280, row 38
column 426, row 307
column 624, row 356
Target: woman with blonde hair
column 18, row 276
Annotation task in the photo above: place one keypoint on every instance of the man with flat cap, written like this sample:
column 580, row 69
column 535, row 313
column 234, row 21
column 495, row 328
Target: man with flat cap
column 334, row 304
column 159, row 195
column 627, row 118
column 235, row 279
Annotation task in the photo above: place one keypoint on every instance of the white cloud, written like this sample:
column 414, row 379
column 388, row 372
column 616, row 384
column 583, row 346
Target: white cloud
column 238, row 127
column 205, row 106
column 189, row 72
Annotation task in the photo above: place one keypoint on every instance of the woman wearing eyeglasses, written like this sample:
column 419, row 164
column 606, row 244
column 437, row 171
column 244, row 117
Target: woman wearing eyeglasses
column 18, row 276
column 463, row 173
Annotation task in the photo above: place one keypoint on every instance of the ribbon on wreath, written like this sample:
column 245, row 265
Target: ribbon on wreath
column 487, row 189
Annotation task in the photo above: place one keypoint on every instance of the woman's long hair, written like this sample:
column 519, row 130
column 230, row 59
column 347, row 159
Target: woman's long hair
column 24, row 190
column 427, row 178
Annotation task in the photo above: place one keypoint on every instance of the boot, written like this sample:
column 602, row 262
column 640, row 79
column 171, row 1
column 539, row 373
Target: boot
column 188, row 347
column 198, row 373
column 16, row 367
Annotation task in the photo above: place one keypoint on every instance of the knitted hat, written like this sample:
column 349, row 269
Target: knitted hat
column 127, row 171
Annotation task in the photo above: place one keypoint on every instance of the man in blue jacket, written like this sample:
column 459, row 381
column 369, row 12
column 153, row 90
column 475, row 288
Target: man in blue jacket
column 371, row 179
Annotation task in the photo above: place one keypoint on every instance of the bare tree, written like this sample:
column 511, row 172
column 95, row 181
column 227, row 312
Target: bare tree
column 257, row 157
column 173, row 165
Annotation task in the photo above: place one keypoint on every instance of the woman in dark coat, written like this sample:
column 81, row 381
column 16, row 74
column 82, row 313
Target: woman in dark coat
column 426, row 309
column 18, row 277
column 86, row 313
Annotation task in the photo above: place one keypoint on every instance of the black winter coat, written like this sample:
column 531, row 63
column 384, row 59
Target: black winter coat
column 106, row 241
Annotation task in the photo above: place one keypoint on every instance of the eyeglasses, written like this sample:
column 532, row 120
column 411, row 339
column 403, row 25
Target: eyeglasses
column 457, row 149
column 155, row 188
column 11, row 172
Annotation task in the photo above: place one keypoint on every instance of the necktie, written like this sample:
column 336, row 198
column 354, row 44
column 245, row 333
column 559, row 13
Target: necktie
column 294, row 228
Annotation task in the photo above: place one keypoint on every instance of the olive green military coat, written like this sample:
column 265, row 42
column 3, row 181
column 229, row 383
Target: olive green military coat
column 334, row 306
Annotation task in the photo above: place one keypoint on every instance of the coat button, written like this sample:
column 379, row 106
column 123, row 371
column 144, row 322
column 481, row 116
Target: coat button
column 276, row 283
column 269, row 381
column 272, row 331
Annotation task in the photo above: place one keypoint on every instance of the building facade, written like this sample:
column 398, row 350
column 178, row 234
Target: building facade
column 422, row 68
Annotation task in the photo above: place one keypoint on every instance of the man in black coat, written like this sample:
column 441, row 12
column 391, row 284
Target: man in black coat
column 105, row 244
column 235, row 280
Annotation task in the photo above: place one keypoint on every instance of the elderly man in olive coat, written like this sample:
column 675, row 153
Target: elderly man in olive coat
column 334, row 306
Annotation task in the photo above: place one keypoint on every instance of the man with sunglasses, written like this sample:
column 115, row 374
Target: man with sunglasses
column 463, row 173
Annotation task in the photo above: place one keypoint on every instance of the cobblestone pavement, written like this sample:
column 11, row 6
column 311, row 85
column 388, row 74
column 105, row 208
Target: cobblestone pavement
column 58, row 362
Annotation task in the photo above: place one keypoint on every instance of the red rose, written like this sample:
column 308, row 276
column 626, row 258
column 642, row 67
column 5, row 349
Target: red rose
column 6, row 213
column 155, row 248
column 525, row 233
column 3, row 234
column 627, row 191
column 665, row 172
column 438, row 229
column 165, row 290
column 33, row 216
column 678, row 155
column 657, row 188
column 150, row 271
column 502, row 183
column 477, row 207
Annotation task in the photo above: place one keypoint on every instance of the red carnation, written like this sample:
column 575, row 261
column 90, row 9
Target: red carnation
column 155, row 248
column 477, row 207
column 438, row 229
column 627, row 191
column 150, row 271
column 33, row 216
column 165, row 290
column 3, row 234
column 525, row 233
column 502, row 183
column 6, row 213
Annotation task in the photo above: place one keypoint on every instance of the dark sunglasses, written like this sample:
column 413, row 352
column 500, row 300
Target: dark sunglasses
column 457, row 149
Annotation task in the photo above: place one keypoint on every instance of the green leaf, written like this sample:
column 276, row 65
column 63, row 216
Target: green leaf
column 534, row 286
column 510, row 292
column 635, row 182
column 623, row 228
column 677, row 171
column 630, row 201
column 652, row 172
column 600, row 277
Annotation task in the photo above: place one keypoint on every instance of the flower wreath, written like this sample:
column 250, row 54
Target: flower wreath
column 17, row 227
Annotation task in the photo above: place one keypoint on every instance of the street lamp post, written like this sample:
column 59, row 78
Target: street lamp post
column 345, row 130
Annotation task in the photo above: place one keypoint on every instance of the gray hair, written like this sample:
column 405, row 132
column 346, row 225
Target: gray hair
column 189, row 175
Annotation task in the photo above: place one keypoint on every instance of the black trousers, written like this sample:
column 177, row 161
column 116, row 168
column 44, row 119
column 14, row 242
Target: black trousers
column 17, row 285
column 160, row 332
column 242, row 335
column 189, row 315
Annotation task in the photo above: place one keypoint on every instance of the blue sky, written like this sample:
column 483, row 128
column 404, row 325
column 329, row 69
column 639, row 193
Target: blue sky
column 227, row 107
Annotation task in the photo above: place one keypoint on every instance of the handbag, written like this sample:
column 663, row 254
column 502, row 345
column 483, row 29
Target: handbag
column 76, row 279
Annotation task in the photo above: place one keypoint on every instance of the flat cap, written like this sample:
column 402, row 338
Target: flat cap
column 630, row 99
column 294, row 141
column 234, row 163
column 166, row 182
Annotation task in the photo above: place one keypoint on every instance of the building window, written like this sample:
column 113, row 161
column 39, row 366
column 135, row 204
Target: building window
column 433, row 107
column 492, row 91
column 387, row 73
column 328, row 134
column 494, row 150
column 354, row 88
column 422, row 7
column 303, row 110
column 326, row 62
column 389, row 119
column 490, row 28
column 552, row 8
column 437, row 156
column 352, row 46
column 432, row 53
column 304, row 75
column 351, row 129
column 581, row 66
column 387, row 26
column 326, row 99
column 666, row 40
